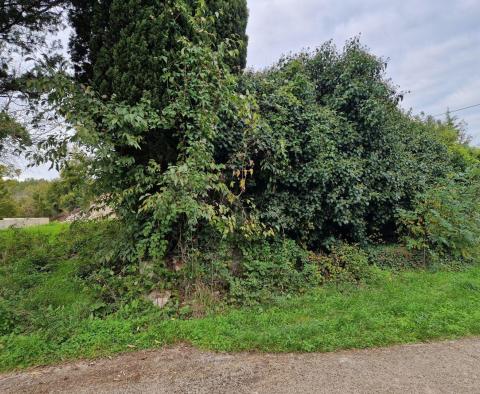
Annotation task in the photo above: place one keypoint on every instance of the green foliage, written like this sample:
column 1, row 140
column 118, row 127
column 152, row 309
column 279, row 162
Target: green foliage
column 12, row 133
column 394, row 256
column 269, row 269
column 42, row 198
column 78, row 271
column 99, row 265
column 333, row 156
column 23, row 27
column 200, row 165
column 221, row 184
column 34, row 17
column 231, row 23
column 344, row 264
column 7, row 204
column 30, row 198
column 315, row 161
column 52, row 277
column 38, row 287
column 445, row 220
column 406, row 308
column 108, row 34
column 8, row 208
column 451, row 133
column 74, row 188
column 152, row 140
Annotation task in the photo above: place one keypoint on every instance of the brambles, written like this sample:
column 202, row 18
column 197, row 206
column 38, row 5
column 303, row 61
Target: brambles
column 334, row 155
column 445, row 221
column 269, row 269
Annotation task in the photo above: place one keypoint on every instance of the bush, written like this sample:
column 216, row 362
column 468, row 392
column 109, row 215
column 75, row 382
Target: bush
column 394, row 256
column 283, row 267
column 315, row 148
column 101, row 264
column 344, row 264
column 445, row 220
column 270, row 269
column 333, row 156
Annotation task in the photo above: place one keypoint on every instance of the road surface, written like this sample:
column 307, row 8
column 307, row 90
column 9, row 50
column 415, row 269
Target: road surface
column 445, row 367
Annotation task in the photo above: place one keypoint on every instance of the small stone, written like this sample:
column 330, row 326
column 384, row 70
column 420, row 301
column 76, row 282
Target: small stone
column 160, row 299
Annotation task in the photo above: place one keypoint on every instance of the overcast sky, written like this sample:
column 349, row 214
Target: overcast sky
column 433, row 45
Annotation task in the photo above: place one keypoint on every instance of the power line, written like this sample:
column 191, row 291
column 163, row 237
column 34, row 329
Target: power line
column 456, row 110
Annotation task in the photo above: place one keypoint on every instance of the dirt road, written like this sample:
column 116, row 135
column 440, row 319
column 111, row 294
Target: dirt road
column 446, row 367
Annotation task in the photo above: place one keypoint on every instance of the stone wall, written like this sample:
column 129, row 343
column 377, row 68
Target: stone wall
column 22, row 222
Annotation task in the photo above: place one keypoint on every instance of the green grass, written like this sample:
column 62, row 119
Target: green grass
column 398, row 308
column 52, row 230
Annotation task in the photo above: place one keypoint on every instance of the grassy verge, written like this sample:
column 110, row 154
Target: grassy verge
column 413, row 307
column 398, row 308
column 51, row 230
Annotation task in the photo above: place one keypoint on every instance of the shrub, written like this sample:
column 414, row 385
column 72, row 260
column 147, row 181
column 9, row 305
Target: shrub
column 445, row 220
column 333, row 156
column 283, row 267
column 100, row 263
column 344, row 264
column 394, row 256
column 269, row 269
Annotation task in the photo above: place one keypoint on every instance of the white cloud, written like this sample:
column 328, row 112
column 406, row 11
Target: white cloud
column 433, row 45
column 38, row 172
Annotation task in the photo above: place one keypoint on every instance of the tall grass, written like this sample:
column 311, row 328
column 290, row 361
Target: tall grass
column 46, row 312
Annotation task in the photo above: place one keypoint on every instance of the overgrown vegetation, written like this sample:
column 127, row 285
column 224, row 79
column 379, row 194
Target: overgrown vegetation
column 53, row 310
column 316, row 149
column 334, row 156
column 445, row 221
column 235, row 189
column 96, row 47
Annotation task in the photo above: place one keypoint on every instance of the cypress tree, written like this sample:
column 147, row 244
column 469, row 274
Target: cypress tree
column 161, row 89
column 97, row 25
column 124, row 48
column 232, row 22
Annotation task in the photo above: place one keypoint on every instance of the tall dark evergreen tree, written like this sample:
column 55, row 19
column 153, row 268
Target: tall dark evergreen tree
column 162, row 86
column 123, row 48
column 97, row 24
column 232, row 22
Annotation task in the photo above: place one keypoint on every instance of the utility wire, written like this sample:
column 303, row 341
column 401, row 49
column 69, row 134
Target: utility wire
column 456, row 110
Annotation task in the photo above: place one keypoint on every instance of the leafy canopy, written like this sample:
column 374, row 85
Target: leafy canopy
column 334, row 154
column 24, row 25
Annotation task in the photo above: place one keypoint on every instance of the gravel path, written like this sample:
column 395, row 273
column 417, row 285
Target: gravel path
column 445, row 367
